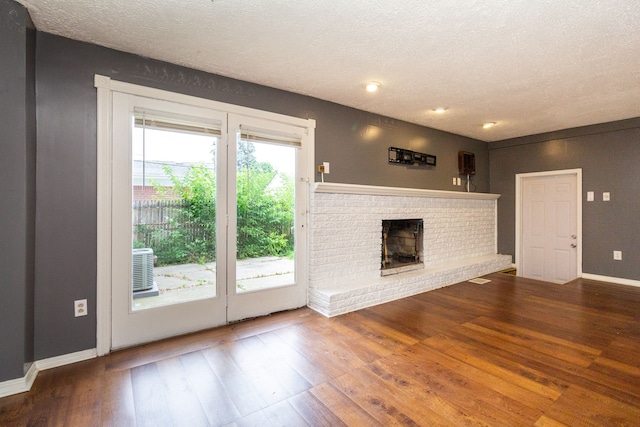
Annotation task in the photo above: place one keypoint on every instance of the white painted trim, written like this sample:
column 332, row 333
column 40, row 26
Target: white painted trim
column 335, row 188
column 134, row 89
column 66, row 359
column 23, row 384
column 616, row 280
column 579, row 223
column 104, row 155
column 311, row 155
column 519, row 181
column 19, row 385
column 495, row 230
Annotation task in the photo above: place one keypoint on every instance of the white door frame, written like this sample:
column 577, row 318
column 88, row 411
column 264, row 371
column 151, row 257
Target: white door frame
column 519, row 211
column 105, row 87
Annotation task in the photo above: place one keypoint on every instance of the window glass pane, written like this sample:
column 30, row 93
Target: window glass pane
column 265, row 215
column 174, row 215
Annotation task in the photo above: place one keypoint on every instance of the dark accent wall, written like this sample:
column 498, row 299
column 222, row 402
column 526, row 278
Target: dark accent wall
column 40, row 282
column 609, row 155
column 353, row 141
column 356, row 145
column 31, row 133
column 17, row 190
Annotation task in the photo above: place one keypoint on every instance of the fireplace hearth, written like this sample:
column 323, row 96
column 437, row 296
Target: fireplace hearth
column 402, row 246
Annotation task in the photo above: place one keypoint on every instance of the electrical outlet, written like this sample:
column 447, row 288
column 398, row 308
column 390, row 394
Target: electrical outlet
column 454, row 180
column 326, row 167
column 606, row 196
column 617, row 255
column 80, row 307
column 459, row 181
column 589, row 196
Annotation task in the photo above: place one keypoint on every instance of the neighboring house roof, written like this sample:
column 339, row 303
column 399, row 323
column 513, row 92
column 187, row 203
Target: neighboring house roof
column 154, row 174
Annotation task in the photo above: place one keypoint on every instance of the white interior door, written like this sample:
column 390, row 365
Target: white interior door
column 208, row 216
column 550, row 232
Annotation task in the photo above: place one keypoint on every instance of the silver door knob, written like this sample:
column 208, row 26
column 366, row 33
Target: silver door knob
column 573, row 236
column 573, row 245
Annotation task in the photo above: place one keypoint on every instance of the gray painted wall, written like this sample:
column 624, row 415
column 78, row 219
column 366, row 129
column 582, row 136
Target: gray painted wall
column 356, row 145
column 31, row 191
column 609, row 155
column 17, row 191
column 354, row 142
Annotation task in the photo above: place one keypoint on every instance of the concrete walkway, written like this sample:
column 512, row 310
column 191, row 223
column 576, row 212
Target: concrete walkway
column 185, row 282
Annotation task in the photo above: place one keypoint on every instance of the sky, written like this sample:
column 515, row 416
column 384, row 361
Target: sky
column 178, row 147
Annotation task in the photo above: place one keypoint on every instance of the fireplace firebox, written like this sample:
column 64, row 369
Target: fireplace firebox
column 402, row 246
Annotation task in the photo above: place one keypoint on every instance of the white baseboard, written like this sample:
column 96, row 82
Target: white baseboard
column 65, row 359
column 608, row 279
column 21, row 385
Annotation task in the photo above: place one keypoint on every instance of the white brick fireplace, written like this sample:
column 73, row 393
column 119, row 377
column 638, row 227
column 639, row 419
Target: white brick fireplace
column 346, row 233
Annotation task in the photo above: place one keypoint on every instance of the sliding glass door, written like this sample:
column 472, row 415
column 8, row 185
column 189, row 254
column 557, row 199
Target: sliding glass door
column 208, row 218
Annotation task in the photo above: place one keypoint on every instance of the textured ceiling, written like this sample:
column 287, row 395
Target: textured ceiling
column 532, row 66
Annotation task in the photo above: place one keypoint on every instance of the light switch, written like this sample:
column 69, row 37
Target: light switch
column 606, row 196
column 589, row 196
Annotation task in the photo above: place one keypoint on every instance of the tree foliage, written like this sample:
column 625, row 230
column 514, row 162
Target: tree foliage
column 265, row 213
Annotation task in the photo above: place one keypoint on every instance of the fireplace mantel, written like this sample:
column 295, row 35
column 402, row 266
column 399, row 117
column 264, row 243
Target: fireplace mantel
column 335, row 188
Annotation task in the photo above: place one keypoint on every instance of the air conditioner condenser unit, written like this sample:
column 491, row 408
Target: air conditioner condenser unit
column 142, row 269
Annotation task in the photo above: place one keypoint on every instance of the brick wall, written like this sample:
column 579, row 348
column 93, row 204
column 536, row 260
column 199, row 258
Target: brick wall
column 149, row 192
column 345, row 238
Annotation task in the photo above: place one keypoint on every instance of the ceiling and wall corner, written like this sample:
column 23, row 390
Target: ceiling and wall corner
column 531, row 67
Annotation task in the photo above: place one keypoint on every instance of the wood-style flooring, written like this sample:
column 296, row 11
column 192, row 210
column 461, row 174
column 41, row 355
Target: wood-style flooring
column 512, row 352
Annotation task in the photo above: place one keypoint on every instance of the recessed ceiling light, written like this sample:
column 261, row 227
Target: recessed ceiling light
column 440, row 110
column 372, row 86
column 489, row 125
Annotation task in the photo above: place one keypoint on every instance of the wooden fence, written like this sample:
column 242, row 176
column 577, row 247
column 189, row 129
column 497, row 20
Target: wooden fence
column 164, row 226
column 150, row 212
column 155, row 220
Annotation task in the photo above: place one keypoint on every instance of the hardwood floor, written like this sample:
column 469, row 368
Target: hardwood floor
column 512, row 352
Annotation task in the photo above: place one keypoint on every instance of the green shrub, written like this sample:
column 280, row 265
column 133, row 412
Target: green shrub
column 265, row 214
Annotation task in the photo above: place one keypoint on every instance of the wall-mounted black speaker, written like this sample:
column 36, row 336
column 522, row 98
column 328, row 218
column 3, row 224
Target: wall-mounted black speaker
column 466, row 163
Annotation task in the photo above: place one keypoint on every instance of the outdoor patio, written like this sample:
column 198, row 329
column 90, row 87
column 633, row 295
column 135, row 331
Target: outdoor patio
column 185, row 282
